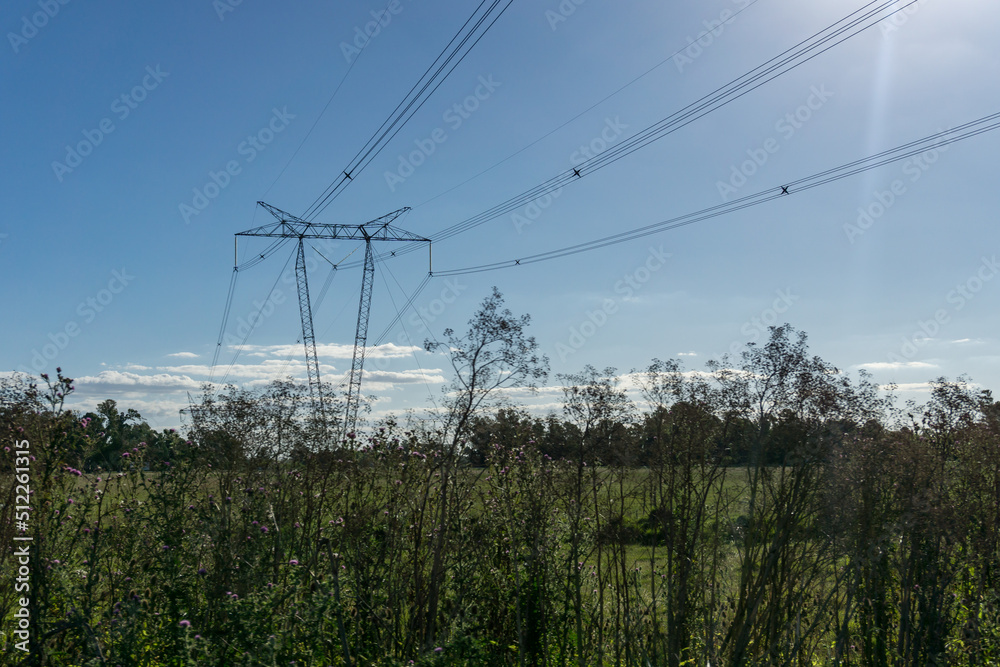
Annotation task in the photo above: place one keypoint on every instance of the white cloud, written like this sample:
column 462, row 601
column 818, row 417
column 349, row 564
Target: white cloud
column 385, row 380
column 911, row 386
column 184, row 355
column 687, row 354
column 118, row 381
column 895, row 365
column 525, row 392
column 268, row 369
column 968, row 341
column 333, row 350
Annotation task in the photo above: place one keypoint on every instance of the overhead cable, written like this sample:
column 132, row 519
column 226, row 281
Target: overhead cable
column 452, row 55
column 908, row 150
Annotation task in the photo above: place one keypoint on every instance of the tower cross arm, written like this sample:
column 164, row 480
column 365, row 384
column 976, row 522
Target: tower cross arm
column 290, row 226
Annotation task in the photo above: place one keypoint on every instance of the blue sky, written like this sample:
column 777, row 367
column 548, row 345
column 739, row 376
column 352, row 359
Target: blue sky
column 108, row 274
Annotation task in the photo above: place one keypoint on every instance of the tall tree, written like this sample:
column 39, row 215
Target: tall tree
column 494, row 353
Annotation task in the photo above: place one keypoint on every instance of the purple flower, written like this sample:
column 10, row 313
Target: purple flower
column 293, row 562
column 202, row 571
column 185, row 624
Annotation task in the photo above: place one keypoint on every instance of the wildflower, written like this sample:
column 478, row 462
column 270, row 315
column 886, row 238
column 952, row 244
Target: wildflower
column 185, row 624
column 293, row 562
column 202, row 571
column 125, row 455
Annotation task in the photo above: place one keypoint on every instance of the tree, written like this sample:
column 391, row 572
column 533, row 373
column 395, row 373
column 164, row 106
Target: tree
column 796, row 404
column 494, row 353
column 595, row 403
column 508, row 429
column 686, row 483
column 258, row 426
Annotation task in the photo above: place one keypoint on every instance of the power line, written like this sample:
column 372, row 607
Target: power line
column 426, row 85
column 574, row 118
column 225, row 320
column 239, row 349
column 399, row 318
column 325, row 107
column 407, row 304
column 937, row 140
column 809, row 48
column 227, row 308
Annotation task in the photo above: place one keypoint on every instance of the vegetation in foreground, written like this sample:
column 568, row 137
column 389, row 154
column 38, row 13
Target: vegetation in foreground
column 770, row 511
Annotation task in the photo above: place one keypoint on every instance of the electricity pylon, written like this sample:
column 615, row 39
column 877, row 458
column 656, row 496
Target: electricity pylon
column 379, row 229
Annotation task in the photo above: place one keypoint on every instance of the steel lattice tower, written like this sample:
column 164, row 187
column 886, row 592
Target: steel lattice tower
column 292, row 227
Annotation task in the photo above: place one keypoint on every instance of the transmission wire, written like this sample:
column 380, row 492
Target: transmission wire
column 325, row 107
column 940, row 139
column 735, row 89
column 399, row 317
column 398, row 119
column 239, row 349
column 574, row 118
